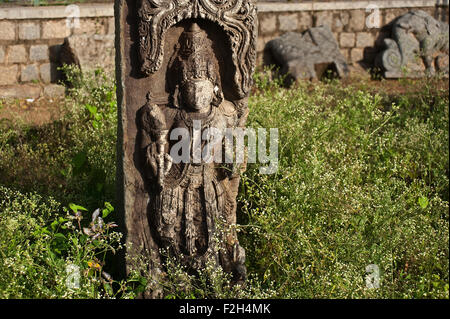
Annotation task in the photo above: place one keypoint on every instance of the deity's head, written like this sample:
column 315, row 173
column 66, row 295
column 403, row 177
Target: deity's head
column 199, row 78
column 198, row 94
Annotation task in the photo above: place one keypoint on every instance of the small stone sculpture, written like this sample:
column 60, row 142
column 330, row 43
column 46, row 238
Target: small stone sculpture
column 418, row 46
column 300, row 54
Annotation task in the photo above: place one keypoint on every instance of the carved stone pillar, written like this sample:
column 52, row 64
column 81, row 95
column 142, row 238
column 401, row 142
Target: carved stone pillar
column 182, row 66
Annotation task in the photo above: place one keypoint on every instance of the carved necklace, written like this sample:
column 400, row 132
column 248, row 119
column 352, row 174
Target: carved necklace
column 205, row 119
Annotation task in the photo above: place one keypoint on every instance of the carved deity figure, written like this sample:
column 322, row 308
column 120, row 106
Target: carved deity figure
column 192, row 203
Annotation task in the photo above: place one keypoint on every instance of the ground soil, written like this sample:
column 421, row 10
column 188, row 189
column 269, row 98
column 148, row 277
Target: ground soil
column 34, row 112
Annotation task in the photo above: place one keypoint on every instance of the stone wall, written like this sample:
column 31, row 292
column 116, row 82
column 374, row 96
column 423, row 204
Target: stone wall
column 30, row 43
column 358, row 26
column 31, row 37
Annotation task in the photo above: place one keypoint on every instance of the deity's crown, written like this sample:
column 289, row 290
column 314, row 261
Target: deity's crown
column 196, row 56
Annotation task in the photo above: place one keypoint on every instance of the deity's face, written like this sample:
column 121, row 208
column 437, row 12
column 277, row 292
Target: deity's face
column 198, row 94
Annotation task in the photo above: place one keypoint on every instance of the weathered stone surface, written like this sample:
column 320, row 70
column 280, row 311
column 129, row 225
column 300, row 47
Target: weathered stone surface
column 17, row 54
column 39, row 52
column 89, row 26
column 89, row 51
column 29, row 73
column 49, row 72
column 55, row 29
column 260, row 44
column 305, row 21
column 288, row 22
column 364, row 39
column 29, row 31
column 8, row 74
column 195, row 64
column 345, row 53
column 8, row 30
column 54, row 90
column 2, row 54
column 347, row 40
column 390, row 15
column 20, row 91
column 356, row 55
column 111, row 26
column 419, row 46
column 298, row 54
column 341, row 20
column 323, row 18
column 357, row 20
column 268, row 24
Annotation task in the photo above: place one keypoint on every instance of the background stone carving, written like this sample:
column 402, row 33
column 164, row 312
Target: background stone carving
column 303, row 55
column 419, row 45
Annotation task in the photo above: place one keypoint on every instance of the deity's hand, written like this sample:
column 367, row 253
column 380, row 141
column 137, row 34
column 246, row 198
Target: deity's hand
column 152, row 158
column 160, row 163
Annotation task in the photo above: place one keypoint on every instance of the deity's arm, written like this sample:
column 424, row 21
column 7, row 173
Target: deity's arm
column 155, row 122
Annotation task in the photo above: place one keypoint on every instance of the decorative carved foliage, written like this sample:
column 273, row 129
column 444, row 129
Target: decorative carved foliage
column 237, row 18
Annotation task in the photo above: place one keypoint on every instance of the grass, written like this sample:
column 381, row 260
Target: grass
column 362, row 180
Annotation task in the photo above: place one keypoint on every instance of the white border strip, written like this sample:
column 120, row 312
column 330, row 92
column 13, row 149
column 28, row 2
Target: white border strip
column 107, row 10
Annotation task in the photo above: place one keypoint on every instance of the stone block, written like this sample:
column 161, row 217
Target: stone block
column 268, row 24
column 29, row 31
column 39, row 52
column 55, row 29
column 49, row 72
column 29, row 73
column 345, row 53
column 323, row 18
column 347, row 40
column 111, row 26
column 89, row 26
column 390, row 15
column 8, row 74
column 341, row 21
column 8, row 30
column 20, row 91
column 54, row 90
column 357, row 20
column 364, row 39
column 260, row 44
column 2, row 54
column 356, row 55
column 288, row 22
column 305, row 20
column 17, row 54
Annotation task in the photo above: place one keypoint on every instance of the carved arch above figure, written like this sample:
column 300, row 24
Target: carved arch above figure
column 237, row 18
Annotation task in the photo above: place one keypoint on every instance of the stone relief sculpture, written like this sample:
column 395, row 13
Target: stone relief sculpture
column 419, row 45
column 301, row 55
column 184, row 66
column 236, row 17
column 190, row 200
